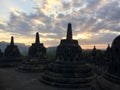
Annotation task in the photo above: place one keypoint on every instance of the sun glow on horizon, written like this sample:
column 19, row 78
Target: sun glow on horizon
column 98, row 46
column 82, row 36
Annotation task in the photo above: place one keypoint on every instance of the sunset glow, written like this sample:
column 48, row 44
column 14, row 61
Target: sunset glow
column 82, row 36
column 94, row 22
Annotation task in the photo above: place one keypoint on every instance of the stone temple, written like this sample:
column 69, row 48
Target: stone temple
column 68, row 70
column 11, row 56
column 37, row 59
column 111, row 79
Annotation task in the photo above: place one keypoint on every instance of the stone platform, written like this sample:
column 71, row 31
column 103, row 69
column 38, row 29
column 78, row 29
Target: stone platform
column 10, row 79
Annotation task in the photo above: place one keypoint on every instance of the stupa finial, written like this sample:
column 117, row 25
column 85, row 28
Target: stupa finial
column 37, row 38
column 69, row 31
column 12, row 40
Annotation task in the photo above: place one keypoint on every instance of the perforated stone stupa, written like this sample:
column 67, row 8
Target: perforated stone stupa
column 37, row 59
column 68, row 70
column 111, row 79
column 11, row 56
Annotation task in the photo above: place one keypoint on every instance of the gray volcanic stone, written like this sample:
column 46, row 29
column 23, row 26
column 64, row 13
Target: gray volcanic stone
column 37, row 59
column 111, row 79
column 69, row 69
column 11, row 56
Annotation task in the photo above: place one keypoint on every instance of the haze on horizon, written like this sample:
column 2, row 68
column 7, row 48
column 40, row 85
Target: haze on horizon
column 94, row 22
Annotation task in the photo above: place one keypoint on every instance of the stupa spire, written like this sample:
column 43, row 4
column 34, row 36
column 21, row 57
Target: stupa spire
column 37, row 38
column 69, row 31
column 12, row 40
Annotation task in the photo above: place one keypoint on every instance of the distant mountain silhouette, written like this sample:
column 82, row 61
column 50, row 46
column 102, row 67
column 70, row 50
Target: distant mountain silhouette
column 24, row 48
column 51, row 49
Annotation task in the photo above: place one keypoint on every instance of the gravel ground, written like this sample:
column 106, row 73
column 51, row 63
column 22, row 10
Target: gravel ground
column 10, row 79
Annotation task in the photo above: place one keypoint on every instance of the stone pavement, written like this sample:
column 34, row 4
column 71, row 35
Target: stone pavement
column 10, row 79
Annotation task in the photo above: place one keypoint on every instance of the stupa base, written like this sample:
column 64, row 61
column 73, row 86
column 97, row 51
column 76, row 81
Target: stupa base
column 109, row 82
column 65, row 85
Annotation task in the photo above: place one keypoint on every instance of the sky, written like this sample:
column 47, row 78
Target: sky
column 94, row 22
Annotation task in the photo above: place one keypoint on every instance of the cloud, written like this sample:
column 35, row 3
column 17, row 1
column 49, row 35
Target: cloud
column 109, row 15
column 93, row 21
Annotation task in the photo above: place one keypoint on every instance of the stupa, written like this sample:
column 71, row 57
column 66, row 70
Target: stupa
column 108, row 53
column 68, row 70
column 37, row 59
column 111, row 79
column 93, row 55
column 108, row 49
column 107, row 56
column 11, row 56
